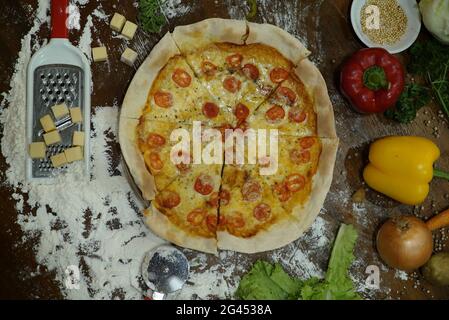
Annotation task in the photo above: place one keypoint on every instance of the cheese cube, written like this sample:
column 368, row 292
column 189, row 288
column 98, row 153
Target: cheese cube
column 52, row 138
column 129, row 56
column 47, row 123
column 117, row 22
column 38, row 150
column 75, row 114
column 74, row 154
column 100, row 54
column 129, row 30
column 60, row 111
column 58, row 160
column 78, row 139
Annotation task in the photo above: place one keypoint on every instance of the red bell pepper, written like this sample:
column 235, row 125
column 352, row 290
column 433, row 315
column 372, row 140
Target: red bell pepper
column 372, row 80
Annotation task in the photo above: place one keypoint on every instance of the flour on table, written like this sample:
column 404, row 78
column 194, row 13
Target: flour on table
column 175, row 8
column 402, row 275
column 100, row 14
column 73, row 21
column 86, row 39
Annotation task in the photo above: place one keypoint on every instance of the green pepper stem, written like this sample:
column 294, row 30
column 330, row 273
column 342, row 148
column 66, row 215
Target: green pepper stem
column 375, row 78
column 440, row 174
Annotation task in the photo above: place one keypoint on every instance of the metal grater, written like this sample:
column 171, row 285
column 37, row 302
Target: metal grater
column 57, row 73
column 55, row 84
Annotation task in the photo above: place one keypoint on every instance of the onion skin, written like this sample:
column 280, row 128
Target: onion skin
column 405, row 243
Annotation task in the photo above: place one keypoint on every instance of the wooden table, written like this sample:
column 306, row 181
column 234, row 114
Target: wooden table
column 325, row 27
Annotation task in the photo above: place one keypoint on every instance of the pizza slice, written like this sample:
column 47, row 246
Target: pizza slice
column 300, row 106
column 177, row 96
column 263, row 68
column 290, row 109
column 298, row 162
column 266, row 212
column 305, row 175
column 247, row 203
column 155, row 144
column 242, row 76
column 186, row 212
column 251, row 218
column 166, row 89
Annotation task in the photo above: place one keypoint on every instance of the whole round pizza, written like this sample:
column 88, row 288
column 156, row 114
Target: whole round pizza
column 203, row 90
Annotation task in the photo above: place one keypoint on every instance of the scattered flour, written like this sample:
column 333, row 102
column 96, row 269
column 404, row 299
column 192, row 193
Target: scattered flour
column 402, row 275
column 100, row 14
column 175, row 8
column 361, row 214
column 74, row 17
column 81, row 2
column 86, row 39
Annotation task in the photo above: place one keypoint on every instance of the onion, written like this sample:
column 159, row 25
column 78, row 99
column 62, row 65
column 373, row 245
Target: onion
column 405, row 243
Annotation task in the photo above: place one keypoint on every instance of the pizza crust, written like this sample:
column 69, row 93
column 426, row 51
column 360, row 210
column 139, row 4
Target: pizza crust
column 165, row 229
column 195, row 36
column 134, row 158
column 278, row 236
column 315, row 84
column 322, row 181
column 279, row 39
column 287, row 231
column 137, row 94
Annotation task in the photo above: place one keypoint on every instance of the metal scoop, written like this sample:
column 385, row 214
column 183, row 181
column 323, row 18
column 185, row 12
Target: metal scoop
column 165, row 270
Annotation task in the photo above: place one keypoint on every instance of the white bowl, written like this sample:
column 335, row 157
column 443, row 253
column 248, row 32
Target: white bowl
column 410, row 8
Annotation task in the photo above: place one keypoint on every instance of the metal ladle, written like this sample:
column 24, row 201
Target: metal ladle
column 165, row 270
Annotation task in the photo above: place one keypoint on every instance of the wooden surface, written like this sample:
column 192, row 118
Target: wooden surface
column 326, row 29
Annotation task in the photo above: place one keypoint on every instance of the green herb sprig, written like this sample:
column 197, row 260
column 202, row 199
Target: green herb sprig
column 252, row 9
column 151, row 16
column 430, row 59
column 413, row 98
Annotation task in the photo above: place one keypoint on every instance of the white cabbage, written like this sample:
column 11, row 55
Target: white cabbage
column 435, row 15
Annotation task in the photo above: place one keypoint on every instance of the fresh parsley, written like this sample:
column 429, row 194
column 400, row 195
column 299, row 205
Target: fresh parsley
column 413, row 98
column 151, row 17
column 430, row 59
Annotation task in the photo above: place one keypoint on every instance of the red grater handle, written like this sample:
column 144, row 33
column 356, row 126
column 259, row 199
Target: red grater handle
column 59, row 16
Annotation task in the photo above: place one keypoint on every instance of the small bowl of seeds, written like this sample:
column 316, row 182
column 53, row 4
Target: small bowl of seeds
column 390, row 24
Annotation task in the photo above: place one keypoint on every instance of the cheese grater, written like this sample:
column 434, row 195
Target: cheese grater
column 57, row 73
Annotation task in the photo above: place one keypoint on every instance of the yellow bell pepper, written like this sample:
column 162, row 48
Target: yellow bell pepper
column 402, row 168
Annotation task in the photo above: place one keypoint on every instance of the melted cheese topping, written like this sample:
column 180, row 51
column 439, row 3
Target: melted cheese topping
column 258, row 96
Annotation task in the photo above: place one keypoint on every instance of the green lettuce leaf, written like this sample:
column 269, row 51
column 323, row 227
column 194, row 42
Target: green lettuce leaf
column 268, row 282
column 337, row 285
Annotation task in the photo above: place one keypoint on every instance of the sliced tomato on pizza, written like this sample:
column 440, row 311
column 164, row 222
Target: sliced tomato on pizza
column 297, row 164
column 266, row 69
column 178, row 96
column 155, row 144
column 188, row 202
column 248, row 205
column 290, row 109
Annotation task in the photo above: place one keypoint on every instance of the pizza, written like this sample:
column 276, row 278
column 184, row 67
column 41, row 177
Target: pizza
column 228, row 130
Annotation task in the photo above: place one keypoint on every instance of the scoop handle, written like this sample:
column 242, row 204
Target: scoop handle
column 59, row 16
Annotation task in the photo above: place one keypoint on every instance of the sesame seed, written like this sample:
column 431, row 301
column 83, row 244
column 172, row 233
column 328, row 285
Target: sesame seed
column 393, row 22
